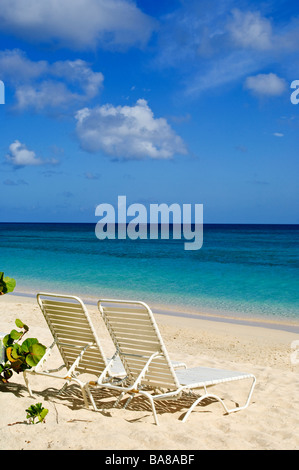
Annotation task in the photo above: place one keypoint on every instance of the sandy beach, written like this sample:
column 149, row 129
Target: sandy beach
column 270, row 422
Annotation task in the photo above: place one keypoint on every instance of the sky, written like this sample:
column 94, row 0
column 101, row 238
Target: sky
column 169, row 101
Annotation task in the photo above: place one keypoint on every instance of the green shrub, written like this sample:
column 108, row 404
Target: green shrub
column 7, row 284
column 19, row 357
column 36, row 412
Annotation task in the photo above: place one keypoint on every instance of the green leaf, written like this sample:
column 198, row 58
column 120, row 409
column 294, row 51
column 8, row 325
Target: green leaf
column 15, row 334
column 15, row 351
column 31, row 413
column 19, row 323
column 10, row 284
column 7, row 341
column 43, row 414
column 7, row 284
column 26, row 345
column 36, row 352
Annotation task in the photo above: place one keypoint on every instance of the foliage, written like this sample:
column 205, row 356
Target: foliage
column 36, row 412
column 19, row 357
column 7, row 284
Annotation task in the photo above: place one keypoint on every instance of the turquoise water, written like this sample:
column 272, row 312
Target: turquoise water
column 250, row 270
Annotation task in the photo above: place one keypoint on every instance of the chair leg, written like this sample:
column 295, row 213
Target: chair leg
column 27, row 384
column 203, row 397
column 89, row 394
column 209, row 395
column 84, row 387
column 85, row 392
column 248, row 398
column 149, row 396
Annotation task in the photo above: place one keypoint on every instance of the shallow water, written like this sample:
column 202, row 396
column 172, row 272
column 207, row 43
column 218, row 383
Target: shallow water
column 251, row 270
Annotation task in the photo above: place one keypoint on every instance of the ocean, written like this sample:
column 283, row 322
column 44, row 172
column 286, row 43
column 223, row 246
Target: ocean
column 248, row 271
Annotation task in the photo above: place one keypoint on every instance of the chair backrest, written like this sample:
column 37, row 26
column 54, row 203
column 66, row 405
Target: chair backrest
column 71, row 327
column 134, row 331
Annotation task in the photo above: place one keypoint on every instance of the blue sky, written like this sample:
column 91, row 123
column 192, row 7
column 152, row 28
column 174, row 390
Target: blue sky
column 163, row 102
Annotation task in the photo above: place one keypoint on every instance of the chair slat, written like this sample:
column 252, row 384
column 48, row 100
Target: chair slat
column 64, row 311
column 129, row 316
column 56, row 303
column 129, row 322
column 112, row 310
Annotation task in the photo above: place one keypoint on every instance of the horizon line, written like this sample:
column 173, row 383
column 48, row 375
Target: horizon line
column 148, row 223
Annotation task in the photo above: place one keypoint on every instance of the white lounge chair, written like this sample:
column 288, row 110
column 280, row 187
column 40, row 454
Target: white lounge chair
column 77, row 343
column 76, row 340
column 140, row 347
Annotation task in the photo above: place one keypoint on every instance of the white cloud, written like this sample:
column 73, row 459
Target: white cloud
column 128, row 132
column 266, row 84
column 221, row 72
column 78, row 24
column 78, row 71
column 250, row 29
column 19, row 156
column 218, row 44
column 48, row 94
column 278, row 134
column 40, row 85
column 17, row 68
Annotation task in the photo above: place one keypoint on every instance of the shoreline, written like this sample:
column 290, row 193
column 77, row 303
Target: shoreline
column 187, row 312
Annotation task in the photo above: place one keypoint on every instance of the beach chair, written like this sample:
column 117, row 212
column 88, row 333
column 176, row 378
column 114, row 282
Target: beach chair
column 77, row 343
column 150, row 373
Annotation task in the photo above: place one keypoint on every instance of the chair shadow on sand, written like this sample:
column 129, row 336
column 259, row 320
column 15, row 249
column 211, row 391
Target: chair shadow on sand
column 105, row 399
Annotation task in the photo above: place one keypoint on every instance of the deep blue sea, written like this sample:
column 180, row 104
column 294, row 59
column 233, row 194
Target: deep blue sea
column 247, row 270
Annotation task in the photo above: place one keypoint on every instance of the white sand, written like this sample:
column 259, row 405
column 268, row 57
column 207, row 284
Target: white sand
column 270, row 422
